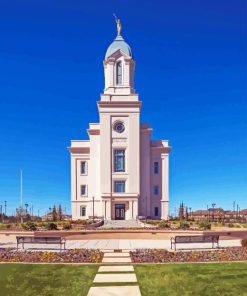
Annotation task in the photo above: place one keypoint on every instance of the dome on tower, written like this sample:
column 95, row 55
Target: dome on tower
column 117, row 44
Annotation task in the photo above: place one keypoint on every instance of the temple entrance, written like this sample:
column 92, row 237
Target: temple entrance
column 120, row 211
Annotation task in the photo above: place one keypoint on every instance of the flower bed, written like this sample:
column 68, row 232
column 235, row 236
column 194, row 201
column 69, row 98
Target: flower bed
column 69, row 256
column 159, row 256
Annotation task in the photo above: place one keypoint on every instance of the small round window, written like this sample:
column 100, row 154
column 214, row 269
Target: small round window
column 119, row 127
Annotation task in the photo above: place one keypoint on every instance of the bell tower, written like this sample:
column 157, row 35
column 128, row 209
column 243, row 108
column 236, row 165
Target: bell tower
column 119, row 67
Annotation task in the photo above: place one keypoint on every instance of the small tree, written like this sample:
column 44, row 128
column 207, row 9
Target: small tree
column 54, row 213
column 60, row 213
column 186, row 214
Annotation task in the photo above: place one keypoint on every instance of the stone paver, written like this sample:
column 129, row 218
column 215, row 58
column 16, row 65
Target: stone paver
column 115, row 278
column 115, row 291
column 115, row 274
column 117, row 260
column 116, row 268
column 116, row 254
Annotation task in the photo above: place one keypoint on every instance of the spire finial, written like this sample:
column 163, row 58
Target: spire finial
column 119, row 25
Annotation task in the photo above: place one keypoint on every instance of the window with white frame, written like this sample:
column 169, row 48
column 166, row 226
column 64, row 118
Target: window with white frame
column 83, row 167
column 156, row 189
column 83, row 211
column 119, row 186
column 119, row 73
column 83, row 190
column 119, row 160
column 156, row 167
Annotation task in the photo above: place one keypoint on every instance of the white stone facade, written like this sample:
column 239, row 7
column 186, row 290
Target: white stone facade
column 119, row 173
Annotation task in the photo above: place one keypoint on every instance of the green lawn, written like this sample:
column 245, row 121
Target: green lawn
column 213, row 279
column 46, row 280
column 222, row 279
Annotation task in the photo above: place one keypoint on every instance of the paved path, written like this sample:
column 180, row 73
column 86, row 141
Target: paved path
column 124, row 244
column 120, row 224
column 115, row 279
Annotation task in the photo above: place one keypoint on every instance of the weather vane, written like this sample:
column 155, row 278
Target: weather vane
column 119, row 25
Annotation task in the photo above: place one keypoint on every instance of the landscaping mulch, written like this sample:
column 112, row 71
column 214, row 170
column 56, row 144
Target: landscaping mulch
column 69, row 256
column 161, row 256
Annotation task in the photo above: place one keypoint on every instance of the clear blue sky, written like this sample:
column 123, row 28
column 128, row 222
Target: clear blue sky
column 190, row 73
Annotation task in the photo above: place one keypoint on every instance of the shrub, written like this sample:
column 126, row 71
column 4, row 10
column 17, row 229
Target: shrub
column 51, row 226
column 31, row 226
column 230, row 225
column 205, row 225
column 164, row 224
column 82, row 222
column 67, row 226
column 184, row 225
column 244, row 242
column 3, row 226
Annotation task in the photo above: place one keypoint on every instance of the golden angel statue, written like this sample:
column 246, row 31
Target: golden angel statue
column 119, row 25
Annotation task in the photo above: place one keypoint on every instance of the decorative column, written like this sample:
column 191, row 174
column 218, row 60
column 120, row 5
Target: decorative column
column 135, row 209
column 165, row 186
column 107, row 209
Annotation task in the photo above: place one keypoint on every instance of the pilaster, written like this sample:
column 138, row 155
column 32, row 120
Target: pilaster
column 165, row 186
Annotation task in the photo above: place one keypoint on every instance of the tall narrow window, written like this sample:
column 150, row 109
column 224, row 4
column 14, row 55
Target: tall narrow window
column 83, row 211
column 119, row 160
column 156, row 167
column 119, row 73
column 119, row 186
column 156, row 190
column 83, row 190
column 156, row 211
column 83, row 168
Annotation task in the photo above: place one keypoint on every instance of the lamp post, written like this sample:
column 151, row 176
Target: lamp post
column 21, row 194
column 213, row 205
column 93, row 209
column 26, row 205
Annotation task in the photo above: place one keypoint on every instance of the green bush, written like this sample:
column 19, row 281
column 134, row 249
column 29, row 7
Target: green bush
column 230, row 225
column 205, row 225
column 82, row 222
column 3, row 226
column 164, row 224
column 184, row 225
column 30, row 226
column 51, row 226
column 67, row 226
column 244, row 242
column 151, row 222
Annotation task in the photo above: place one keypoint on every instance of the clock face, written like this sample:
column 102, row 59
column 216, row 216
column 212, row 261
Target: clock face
column 119, row 127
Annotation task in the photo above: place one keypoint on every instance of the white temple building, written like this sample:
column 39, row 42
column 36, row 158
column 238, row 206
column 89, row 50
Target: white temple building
column 119, row 173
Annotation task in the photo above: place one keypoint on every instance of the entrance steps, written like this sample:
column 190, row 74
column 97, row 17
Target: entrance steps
column 120, row 224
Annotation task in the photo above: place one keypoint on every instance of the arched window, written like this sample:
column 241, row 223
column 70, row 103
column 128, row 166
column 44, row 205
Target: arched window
column 119, row 73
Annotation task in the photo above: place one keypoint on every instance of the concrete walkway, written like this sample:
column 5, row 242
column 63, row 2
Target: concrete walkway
column 108, row 276
column 126, row 244
column 123, row 244
column 120, row 224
